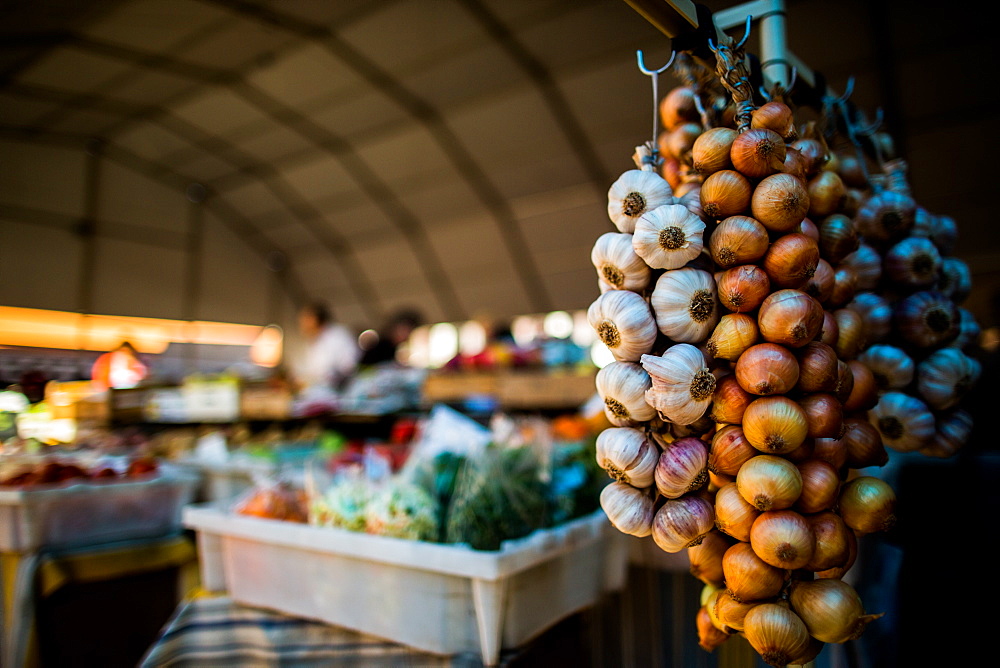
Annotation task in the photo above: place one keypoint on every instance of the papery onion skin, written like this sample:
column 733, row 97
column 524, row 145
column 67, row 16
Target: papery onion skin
column 783, row 539
column 791, row 260
column 864, row 394
column 738, row 240
column 730, row 450
column 729, row 401
column 709, row 637
column 867, row 505
column 817, row 367
column 733, row 515
column 790, row 317
column 732, row 613
column 833, row 541
column 767, row 368
column 768, row 482
column 820, row 486
column 775, row 424
column 864, row 444
column 831, row 610
column 824, row 415
column 776, row 633
column 748, row 577
column 705, row 559
column 780, row 202
column 725, row 193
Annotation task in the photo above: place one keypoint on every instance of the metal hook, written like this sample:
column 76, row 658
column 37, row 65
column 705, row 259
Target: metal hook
column 746, row 34
column 649, row 72
column 767, row 96
column 873, row 127
column 654, row 75
column 848, row 91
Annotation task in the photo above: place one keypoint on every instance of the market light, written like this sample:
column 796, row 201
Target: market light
column 368, row 339
column 524, row 329
column 266, row 348
column 42, row 328
column 443, row 343
column 558, row 325
column 418, row 347
column 471, row 338
column 601, row 355
column 583, row 333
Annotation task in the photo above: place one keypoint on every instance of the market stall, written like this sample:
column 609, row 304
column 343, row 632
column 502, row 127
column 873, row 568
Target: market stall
column 442, row 441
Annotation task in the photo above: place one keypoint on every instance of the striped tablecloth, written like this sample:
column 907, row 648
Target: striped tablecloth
column 211, row 631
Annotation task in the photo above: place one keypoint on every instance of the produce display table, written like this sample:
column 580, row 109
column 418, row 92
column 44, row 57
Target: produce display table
column 445, row 599
column 217, row 631
column 23, row 576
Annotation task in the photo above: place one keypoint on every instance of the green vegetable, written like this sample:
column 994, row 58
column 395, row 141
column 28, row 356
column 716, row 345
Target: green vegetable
column 498, row 498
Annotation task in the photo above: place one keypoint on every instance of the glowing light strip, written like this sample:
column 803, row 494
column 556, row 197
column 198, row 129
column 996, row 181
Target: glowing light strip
column 40, row 328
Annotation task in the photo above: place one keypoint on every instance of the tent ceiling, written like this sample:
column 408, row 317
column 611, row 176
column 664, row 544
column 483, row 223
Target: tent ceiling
column 453, row 154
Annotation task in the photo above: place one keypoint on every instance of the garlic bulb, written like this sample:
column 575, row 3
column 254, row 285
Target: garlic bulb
column 905, row 422
column 953, row 431
column 682, row 383
column 685, row 304
column 867, row 265
column 682, row 467
column 617, row 264
column 968, row 329
column 624, row 324
column 622, row 386
column 630, row 510
column 945, row 377
column 893, row 369
column 876, row 312
column 926, row 319
column 682, row 523
column 913, row 263
column 955, row 281
column 627, row 455
column 633, row 194
column 668, row 237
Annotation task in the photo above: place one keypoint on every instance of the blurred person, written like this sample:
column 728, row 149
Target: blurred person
column 119, row 368
column 331, row 355
column 393, row 335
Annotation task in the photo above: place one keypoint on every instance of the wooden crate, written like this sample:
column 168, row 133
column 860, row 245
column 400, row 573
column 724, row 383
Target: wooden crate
column 459, row 386
column 545, row 389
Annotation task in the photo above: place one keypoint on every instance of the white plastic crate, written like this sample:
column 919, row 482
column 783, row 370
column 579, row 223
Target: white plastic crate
column 444, row 599
column 90, row 513
column 225, row 482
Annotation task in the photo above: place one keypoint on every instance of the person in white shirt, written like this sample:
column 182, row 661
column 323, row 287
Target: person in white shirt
column 331, row 355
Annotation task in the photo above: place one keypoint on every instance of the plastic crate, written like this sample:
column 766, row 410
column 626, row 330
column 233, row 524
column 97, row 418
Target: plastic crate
column 444, row 599
column 91, row 513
